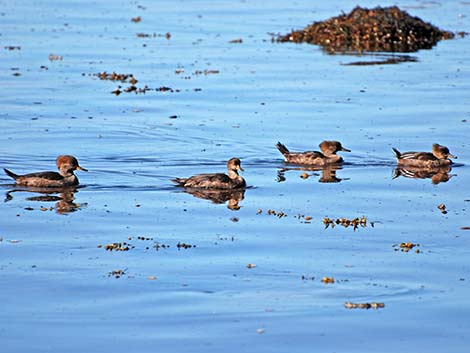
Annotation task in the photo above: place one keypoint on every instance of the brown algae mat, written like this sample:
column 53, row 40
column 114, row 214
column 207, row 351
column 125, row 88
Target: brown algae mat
column 384, row 29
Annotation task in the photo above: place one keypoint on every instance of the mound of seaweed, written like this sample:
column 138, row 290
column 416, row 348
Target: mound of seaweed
column 386, row 29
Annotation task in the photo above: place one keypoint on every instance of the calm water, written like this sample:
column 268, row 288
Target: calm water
column 57, row 294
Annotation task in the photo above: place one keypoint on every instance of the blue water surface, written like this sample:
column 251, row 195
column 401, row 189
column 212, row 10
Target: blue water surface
column 58, row 291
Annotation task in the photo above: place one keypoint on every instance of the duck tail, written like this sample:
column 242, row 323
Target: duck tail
column 11, row 174
column 179, row 181
column 282, row 148
column 397, row 152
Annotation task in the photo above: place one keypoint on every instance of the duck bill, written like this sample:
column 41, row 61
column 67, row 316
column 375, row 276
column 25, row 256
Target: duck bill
column 451, row 156
column 241, row 169
column 82, row 169
column 345, row 149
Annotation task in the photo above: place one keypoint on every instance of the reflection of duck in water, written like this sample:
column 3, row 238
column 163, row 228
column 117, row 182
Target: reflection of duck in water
column 234, row 197
column 218, row 181
column 325, row 157
column 66, row 165
column 437, row 158
column 64, row 200
column 328, row 173
column 436, row 174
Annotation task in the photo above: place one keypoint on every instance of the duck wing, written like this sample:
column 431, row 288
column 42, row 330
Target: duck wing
column 41, row 179
column 43, row 175
column 213, row 181
column 303, row 157
column 209, row 181
column 40, row 175
column 421, row 156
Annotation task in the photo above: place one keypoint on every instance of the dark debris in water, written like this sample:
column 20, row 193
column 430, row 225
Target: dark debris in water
column 159, row 246
column 328, row 222
column 385, row 29
column 206, row 72
column 188, row 76
column 117, row 273
column 442, row 208
column 114, row 76
column 184, row 246
column 117, row 246
column 373, row 305
column 154, row 35
column 328, row 280
column 406, row 247
column 132, row 88
column 354, row 223
column 270, row 212
column 54, row 57
column 126, row 246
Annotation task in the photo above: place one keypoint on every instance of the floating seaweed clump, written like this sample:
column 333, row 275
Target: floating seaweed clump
column 384, row 29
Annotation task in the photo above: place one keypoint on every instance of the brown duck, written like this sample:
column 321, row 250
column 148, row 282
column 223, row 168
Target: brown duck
column 439, row 157
column 325, row 157
column 66, row 165
column 216, row 181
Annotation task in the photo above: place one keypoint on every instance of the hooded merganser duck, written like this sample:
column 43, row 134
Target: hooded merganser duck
column 326, row 156
column 437, row 158
column 66, row 165
column 216, row 181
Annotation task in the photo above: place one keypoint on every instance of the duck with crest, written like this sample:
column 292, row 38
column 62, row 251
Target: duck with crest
column 65, row 177
column 218, row 181
column 439, row 157
column 327, row 155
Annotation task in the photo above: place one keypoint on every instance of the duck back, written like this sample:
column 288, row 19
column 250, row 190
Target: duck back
column 211, row 181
